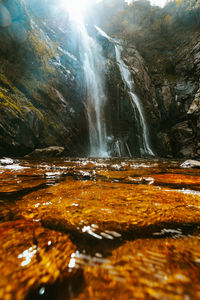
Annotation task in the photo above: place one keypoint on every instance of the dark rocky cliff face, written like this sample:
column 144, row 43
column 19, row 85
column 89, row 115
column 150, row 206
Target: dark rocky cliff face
column 123, row 123
column 167, row 84
column 175, row 76
column 42, row 88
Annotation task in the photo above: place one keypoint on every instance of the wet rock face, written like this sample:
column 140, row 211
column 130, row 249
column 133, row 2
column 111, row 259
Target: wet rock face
column 121, row 121
column 123, row 128
column 178, row 98
column 182, row 132
column 145, row 90
column 41, row 94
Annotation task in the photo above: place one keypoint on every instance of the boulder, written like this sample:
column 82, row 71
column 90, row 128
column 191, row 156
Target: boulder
column 53, row 151
column 191, row 164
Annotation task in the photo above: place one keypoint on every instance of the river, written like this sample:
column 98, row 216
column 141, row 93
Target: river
column 99, row 229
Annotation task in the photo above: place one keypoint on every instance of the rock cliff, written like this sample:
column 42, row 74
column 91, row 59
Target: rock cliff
column 41, row 87
column 177, row 91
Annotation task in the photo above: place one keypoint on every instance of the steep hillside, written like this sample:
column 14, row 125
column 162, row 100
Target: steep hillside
column 40, row 82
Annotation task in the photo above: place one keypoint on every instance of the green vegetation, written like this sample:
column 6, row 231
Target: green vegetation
column 43, row 50
column 14, row 100
column 5, row 100
column 123, row 19
column 156, row 32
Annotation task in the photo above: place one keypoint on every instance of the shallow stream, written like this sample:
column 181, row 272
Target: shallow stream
column 99, row 229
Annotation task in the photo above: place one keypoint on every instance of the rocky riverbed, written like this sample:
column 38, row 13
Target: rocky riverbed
column 99, row 229
column 43, row 86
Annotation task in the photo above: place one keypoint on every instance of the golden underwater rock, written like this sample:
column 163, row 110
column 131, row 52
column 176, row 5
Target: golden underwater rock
column 147, row 269
column 121, row 216
column 109, row 206
column 30, row 257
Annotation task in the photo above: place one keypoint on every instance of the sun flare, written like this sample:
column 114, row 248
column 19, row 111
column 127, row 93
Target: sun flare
column 76, row 8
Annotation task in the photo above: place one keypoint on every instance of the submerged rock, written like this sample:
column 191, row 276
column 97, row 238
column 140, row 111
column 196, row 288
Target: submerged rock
column 92, row 201
column 135, row 225
column 72, row 205
column 31, row 257
column 146, row 269
column 52, row 151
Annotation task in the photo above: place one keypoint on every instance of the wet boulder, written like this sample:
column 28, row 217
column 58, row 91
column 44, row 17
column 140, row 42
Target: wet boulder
column 52, row 151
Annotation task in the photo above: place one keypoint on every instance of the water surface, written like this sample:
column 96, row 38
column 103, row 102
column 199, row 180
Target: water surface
column 99, row 229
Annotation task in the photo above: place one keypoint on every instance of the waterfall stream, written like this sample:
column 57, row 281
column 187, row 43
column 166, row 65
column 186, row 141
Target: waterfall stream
column 144, row 142
column 143, row 136
column 93, row 65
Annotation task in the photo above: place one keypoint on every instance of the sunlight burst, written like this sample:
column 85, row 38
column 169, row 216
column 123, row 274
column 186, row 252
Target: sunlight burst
column 76, row 8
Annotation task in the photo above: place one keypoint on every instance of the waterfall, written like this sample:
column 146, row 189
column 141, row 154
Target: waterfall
column 144, row 142
column 94, row 66
column 145, row 148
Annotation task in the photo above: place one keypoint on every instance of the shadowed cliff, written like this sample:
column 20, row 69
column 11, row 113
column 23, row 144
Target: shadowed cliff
column 40, row 81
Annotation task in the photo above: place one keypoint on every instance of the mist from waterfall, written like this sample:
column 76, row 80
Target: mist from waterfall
column 94, row 66
column 145, row 148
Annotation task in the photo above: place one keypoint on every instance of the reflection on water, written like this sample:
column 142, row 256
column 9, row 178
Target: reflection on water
column 27, row 255
column 120, row 227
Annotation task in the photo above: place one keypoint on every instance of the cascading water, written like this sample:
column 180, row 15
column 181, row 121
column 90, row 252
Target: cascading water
column 94, row 63
column 93, row 66
column 145, row 148
column 144, row 142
